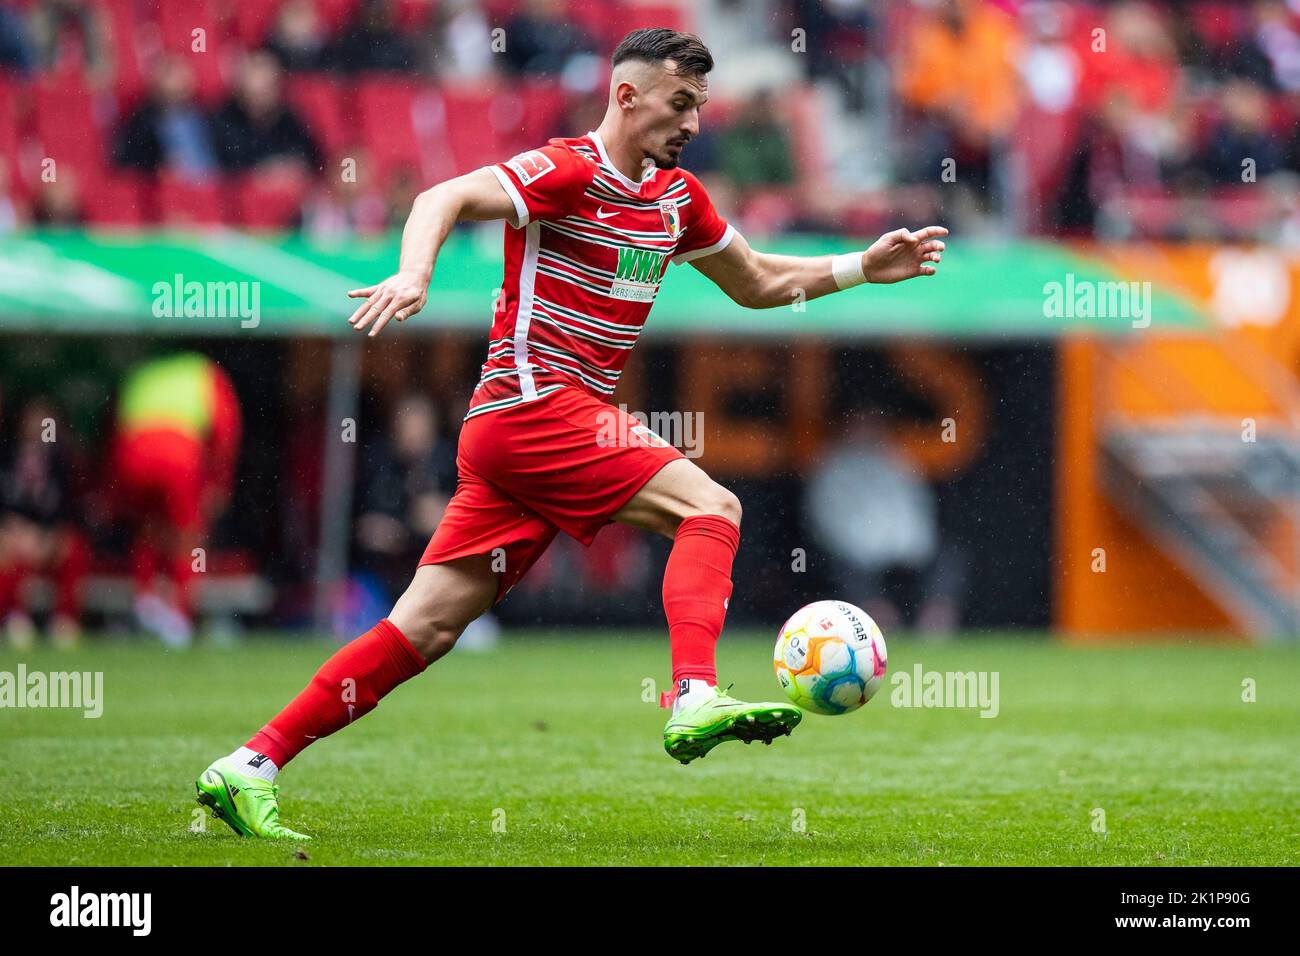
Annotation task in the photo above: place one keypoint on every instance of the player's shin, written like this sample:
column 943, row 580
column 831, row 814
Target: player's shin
column 348, row 686
column 697, row 588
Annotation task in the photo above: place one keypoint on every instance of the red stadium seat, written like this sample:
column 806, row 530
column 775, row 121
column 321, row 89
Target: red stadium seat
column 803, row 108
column 67, row 128
column 480, row 117
column 269, row 201
column 9, row 129
column 253, row 21
column 1218, row 24
column 632, row 15
column 1243, row 210
column 184, row 203
column 177, row 21
column 319, row 101
column 543, row 105
column 124, row 24
column 594, row 18
column 1048, row 141
column 118, row 199
column 415, row 15
column 388, row 125
column 499, row 12
column 336, row 14
column 770, row 210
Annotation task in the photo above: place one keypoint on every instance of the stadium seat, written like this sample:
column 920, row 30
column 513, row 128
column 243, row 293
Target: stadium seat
column 480, row 116
column 67, row 127
column 770, row 210
column 388, row 125
column 177, row 21
column 801, row 105
column 335, row 14
column 129, row 75
column 269, row 201
column 319, row 100
column 253, row 21
column 415, row 15
column 10, row 91
column 1243, row 210
column 543, row 105
column 621, row 19
column 1220, row 24
column 1048, row 140
column 118, row 199
column 185, row 203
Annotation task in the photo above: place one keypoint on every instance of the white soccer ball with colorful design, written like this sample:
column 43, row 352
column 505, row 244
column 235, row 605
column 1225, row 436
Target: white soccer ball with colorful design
column 830, row 657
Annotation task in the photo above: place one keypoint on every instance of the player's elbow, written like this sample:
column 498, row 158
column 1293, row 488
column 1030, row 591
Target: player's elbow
column 743, row 296
column 766, row 297
column 755, row 291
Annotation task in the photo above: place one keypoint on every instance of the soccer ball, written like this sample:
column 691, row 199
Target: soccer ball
column 830, row 657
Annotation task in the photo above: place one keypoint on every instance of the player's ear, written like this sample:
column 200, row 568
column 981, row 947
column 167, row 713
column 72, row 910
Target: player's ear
column 625, row 94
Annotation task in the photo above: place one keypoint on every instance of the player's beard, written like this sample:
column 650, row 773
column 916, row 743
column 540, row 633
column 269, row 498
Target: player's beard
column 669, row 162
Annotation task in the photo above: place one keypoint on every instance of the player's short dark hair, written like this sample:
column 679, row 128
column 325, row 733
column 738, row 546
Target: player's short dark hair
column 656, row 44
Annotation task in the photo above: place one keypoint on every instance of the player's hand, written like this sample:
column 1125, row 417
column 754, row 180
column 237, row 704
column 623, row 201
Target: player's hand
column 398, row 297
column 903, row 254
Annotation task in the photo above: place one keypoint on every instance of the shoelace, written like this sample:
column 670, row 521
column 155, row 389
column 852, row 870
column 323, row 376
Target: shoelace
column 260, row 787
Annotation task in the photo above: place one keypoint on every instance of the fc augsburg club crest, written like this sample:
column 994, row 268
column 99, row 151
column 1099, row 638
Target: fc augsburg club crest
column 672, row 218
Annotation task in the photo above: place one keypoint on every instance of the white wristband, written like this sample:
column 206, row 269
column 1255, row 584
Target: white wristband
column 847, row 270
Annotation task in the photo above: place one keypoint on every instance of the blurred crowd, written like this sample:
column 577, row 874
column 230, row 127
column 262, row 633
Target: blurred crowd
column 130, row 516
column 1117, row 119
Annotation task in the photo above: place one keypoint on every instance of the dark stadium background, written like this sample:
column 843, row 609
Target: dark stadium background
column 827, row 126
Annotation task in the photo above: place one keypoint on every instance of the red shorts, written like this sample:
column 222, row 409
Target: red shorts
column 159, row 474
column 564, row 462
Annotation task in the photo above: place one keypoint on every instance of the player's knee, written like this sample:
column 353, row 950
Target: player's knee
column 431, row 631
column 717, row 500
column 431, row 624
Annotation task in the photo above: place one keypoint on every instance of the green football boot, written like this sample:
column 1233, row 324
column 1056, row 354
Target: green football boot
column 249, row 805
column 698, row 729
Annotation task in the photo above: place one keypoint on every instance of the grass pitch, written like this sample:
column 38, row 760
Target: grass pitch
column 548, row 750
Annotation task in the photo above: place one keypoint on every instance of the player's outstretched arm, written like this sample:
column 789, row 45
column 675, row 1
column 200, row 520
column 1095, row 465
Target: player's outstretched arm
column 474, row 196
column 759, row 280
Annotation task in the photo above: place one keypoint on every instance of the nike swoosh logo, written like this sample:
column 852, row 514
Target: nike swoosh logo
column 601, row 214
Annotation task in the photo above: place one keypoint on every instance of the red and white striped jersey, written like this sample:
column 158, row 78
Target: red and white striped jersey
column 584, row 255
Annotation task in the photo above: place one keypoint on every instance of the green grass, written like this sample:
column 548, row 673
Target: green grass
column 551, row 737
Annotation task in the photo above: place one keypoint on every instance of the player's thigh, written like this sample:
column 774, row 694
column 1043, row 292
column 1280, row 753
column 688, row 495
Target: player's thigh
column 441, row 601
column 678, row 491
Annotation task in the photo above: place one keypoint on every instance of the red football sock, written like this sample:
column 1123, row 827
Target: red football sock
column 347, row 686
column 697, row 587
column 11, row 584
column 69, row 572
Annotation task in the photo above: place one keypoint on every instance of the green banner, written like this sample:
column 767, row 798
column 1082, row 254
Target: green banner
column 232, row 283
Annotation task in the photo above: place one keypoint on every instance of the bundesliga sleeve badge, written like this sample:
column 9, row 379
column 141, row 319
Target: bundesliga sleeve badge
column 531, row 165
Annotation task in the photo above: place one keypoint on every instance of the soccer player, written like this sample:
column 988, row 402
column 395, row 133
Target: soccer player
column 592, row 223
column 174, row 458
